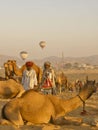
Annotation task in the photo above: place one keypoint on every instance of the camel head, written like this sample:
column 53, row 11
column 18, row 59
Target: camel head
column 88, row 89
column 10, row 68
column 7, row 70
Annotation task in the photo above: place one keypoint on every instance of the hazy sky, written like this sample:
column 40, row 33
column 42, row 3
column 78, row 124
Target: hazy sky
column 68, row 26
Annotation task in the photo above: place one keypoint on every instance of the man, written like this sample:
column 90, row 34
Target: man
column 29, row 79
column 48, row 79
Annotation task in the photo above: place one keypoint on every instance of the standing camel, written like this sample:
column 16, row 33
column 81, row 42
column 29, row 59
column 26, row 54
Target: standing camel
column 61, row 82
column 39, row 108
column 19, row 71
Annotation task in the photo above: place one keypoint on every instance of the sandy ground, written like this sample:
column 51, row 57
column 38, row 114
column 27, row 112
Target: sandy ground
column 76, row 121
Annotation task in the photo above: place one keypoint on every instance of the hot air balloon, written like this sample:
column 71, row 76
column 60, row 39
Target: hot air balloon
column 42, row 44
column 23, row 55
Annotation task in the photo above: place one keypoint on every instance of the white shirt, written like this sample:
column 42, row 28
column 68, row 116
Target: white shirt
column 29, row 79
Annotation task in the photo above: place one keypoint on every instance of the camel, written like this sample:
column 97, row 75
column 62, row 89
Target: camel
column 12, row 67
column 10, row 89
column 38, row 108
column 61, row 81
column 8, row 70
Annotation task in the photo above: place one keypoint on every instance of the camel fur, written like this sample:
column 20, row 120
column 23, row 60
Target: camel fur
column 10, row 89
column 35, row 107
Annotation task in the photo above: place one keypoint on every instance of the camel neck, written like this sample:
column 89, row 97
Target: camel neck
column 71, row 104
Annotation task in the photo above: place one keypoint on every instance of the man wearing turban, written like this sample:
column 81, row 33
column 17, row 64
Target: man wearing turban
column 48, row 79
column 29, row 78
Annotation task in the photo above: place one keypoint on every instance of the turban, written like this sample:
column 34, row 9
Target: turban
column 29, row 64
column 47, row 63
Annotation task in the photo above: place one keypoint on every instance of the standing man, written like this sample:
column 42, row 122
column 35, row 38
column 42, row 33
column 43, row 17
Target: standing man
column 48, row 79
column 29, row 78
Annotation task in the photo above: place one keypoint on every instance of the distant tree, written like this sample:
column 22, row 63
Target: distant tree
column 76, row 65
column 68, row 66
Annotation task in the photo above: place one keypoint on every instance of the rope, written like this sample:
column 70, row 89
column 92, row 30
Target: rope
column 83, row 102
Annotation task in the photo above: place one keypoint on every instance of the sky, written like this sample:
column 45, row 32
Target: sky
column 69, row 27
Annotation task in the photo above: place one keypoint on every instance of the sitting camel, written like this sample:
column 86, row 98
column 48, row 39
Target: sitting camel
column 10, row 89
column 12, row 68
column 39, row 108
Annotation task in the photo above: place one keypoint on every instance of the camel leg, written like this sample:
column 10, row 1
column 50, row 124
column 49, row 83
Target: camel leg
column 60, row 121
column 12, row 113
column 15, row 118
column 5, row 122
column 18, row 121
column 66, row 121
column 20, row 93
